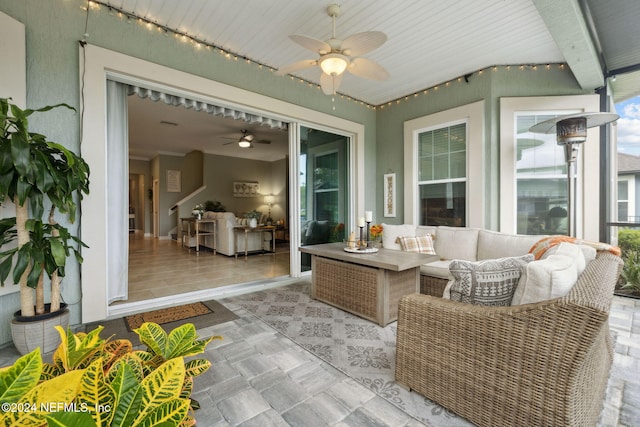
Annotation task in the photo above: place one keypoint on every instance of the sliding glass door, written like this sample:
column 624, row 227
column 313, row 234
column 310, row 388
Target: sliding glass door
column 324, row 188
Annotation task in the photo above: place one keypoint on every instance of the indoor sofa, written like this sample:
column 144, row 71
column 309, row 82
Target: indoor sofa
column 225, row 235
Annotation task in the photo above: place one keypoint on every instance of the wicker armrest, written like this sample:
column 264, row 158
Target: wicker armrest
column 537, row 364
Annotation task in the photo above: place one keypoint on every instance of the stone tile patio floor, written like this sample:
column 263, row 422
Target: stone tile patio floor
column 260, row 378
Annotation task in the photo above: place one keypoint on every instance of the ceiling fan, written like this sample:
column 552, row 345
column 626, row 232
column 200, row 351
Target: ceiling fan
column 338, row 56
column 247, row 140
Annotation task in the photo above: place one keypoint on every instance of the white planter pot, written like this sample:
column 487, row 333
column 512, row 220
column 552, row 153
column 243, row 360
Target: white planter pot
column 253, row 222
column 39, row 331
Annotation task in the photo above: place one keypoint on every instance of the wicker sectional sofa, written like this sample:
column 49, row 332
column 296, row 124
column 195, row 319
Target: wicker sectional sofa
column 539, row 364
column 471, row 244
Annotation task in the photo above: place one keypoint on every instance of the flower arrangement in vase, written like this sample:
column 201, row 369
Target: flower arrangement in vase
column 198, row 210
column 375, row 233
column 253, row 216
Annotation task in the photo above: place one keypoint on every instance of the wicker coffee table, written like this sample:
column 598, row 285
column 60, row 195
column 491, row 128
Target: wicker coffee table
column 367, row 285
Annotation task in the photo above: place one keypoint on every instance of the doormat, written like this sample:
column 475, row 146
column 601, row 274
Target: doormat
column 167, row 315
column 120, row 328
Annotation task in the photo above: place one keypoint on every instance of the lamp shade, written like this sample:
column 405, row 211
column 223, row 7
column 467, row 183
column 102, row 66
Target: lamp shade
column 269, row 199
column 334, row 64
column 592, row 120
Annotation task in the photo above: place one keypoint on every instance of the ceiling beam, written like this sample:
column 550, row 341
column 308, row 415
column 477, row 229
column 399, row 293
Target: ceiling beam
column 567, row 26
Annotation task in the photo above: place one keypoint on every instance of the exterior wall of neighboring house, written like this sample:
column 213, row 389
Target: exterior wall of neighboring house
column 53, row 29
column 628, row 188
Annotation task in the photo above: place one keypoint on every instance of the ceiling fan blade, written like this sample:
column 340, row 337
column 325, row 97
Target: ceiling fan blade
column 330, row 84
column 310, row 43
column 300, row 65
column 363, row 67
column 230, row 142
column 262, row 141
column 361, row 43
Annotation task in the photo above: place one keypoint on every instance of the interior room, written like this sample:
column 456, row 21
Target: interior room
column 372, row 213
column 178, row 139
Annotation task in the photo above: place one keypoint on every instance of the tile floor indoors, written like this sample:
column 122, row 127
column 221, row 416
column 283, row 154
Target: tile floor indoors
column 160, row 268
column 261, row 378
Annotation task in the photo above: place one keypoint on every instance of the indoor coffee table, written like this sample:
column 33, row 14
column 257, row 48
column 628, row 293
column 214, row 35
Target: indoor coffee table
column 368, row 285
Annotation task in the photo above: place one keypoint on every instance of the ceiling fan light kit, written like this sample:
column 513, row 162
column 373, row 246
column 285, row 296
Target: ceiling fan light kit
column 246, row 140
column 334, row 64
column 338, row 56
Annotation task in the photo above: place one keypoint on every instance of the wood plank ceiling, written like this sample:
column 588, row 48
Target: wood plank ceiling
column 429, row 42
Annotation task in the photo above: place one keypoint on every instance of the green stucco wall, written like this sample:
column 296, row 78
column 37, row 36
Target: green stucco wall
column 490, row 85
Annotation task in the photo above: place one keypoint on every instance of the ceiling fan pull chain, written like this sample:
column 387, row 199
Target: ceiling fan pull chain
column 333, row 97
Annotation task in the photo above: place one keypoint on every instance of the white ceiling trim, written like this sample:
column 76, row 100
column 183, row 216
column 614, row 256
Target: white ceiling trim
column 566, row 23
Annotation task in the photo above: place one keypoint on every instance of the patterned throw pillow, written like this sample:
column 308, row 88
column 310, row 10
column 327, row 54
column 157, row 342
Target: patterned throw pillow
column 489, row 282
column 420, row 244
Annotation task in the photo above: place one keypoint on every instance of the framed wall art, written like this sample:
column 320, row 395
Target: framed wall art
column 389, row 200
column 246, row 189
column 174, row 181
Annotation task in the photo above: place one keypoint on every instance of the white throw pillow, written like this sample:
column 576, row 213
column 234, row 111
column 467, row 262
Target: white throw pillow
column 588, row 252
column 551, row 277
column 391, row 232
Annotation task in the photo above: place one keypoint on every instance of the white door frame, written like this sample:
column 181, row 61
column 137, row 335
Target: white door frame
column 100, row 64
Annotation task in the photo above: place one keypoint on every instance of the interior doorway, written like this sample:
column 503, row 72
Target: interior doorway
column 155, row 203
column 103, row 266
column 136, row 203
column 201, row 153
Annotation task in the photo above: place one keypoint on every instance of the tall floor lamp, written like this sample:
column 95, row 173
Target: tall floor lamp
column 571, row 131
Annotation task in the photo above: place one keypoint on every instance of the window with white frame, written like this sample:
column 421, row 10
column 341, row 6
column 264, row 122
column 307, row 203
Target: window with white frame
column 541, row 178
column 442, row 184
column 533, row 175
column 626, row 202
column 442, row 175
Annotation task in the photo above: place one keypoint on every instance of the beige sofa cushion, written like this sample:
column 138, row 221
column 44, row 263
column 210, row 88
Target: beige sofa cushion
column 457, row 243
column 550, row 277
column 436, row 269
column 391, row 232
column 423, row 230
column 492, row 244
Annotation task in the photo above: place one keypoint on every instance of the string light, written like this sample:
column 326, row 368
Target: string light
column 199, row 44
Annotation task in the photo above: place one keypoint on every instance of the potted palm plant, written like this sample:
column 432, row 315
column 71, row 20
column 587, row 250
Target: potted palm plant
column 35, row 172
